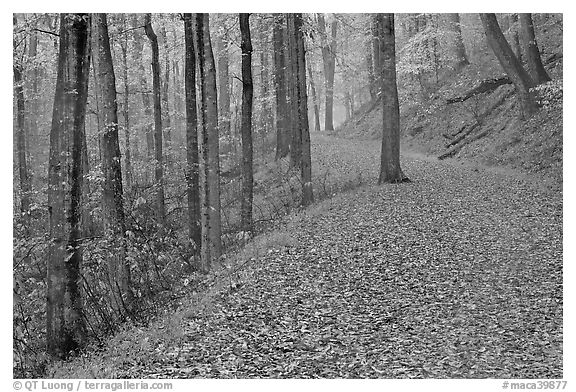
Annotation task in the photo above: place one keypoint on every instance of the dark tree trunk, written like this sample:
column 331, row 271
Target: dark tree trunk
column 292, row 82
column 65, row 327
column 282, row 136
column 246, row 126
column 25, row 183
column 512, row 66
column 533, row 59
column 159, row 167
column 329, row 60
column 314, row 99
column 125, row 108
column 211, row 247
column 112, row 194
column 459, row 49
column 301, row 135
column 390, row 170
column 192, row 173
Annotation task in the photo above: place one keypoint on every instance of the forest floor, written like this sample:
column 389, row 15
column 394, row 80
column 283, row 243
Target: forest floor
column 457, row 274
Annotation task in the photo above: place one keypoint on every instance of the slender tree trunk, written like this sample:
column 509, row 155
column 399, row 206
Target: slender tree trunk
column 125, row 108
column 293, row 92
column 266, row 112
column 209, row 150
column 159, row 167
column 390, row 170
column 329, row 60
column 370, row 68
column 512, row 66
column 533, row 59
column 282, row 136
column 112, row 194
column 376, row 55
column 314, row 99
column 167, row 123
column 515, row 37
column 25, row 183
column 223, row 83
column 459, row 49
column 65, row 327
column 246, row 127
column 192, row 173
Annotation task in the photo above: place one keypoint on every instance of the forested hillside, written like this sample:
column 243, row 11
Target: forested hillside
column 287, row 195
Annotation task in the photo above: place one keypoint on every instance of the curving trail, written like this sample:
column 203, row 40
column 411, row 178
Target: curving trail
column 457, row 274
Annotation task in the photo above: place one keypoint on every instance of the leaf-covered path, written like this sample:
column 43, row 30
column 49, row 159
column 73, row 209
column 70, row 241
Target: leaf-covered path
column 457, row 274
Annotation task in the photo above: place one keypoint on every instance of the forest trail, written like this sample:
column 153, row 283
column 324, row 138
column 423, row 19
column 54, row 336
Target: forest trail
column 457, row 274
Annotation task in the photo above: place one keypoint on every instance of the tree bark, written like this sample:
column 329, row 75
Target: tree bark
column 211, row 247
column 167, row 123
column 314, row 99
column 282, row 136
column 159, row 167
column 370, row 66
column 25, row 183
column 512, row 66
column 376, row 56
column 390, row 170
column 125, row 108
column 192, row 173
column 65, row 327
column 533, row 59
column 246, row 126
column 223, row 83
column 459, row 48
column 293, row 92
column 329, row 61
column 112, row 194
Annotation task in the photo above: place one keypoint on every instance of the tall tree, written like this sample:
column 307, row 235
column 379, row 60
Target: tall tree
column 301, row 135
column 166, row 87
column 65, row 327
column 246, row 126
column 112, row 194
column 390, row 170
column 512, row 66
column 459, row 48
column 25, row 183
column 370, row 64
column 159, row 166
column 533, row 59
column 211, row 247
column 125, row 106
column 192, row 173
column 329, row 60
column 515, row 36
column 282, row 136
column 314, row 98
column 223, row 80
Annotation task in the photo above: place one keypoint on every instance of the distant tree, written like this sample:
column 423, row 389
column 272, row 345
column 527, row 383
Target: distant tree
column 246, row 126
column 159, row 166
column 515, row 36
column 125, row 107
column 112, row 194
column 65, row 326
column 221, row 43
column 192, row 164
column 390, row 170
column 459, row 48
column 211, row 247
column 314, row 98
column 165, row 83
column 328, row 45
column 370, row 62
column 282, row 136
column 512, row 66
column 533, row 59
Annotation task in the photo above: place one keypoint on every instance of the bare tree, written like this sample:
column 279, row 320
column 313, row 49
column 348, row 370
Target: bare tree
column 390, row 170
column 65, row 326
column 282, row 136
column 159, row 165
column 246, row 126
column 329, row 60
column 533, row 59
column 459, row 48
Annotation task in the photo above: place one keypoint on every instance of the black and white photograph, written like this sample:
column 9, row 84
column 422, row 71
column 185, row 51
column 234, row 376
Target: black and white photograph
column 322, row 195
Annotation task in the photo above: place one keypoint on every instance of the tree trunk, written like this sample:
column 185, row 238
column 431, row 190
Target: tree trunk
column 223, row 84
column 329, row 60
column 265, row 118
column 512, row 66
column 211, row 247
column 314, row 99
column 515, row 37
column 165, row 88
column 293, row 92
column 125, row 108
column 282, row 136
column 112, row 194
column 459, row 49
column 246, row 126
column 65, row 327
column 370, row 67
column 192, row 173
column 533, row 59
column 25, row 183
column 376, row 55
column 159, row 167
column 390, row 170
